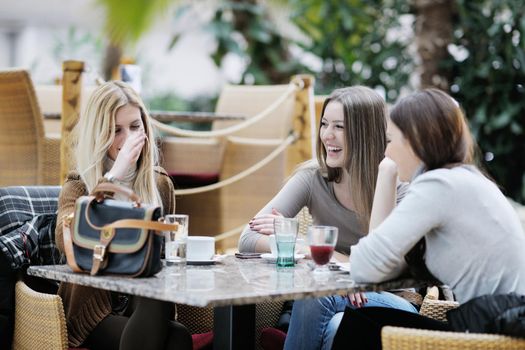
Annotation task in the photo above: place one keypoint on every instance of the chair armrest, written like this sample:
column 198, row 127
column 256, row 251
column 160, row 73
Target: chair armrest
column 396, row 338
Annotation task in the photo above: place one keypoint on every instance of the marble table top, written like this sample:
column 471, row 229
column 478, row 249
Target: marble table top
column 231, row 281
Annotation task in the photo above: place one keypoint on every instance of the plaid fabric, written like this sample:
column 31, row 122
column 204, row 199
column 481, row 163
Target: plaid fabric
column 27, row 225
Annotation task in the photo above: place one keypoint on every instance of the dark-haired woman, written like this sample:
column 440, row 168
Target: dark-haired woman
column 474, row 240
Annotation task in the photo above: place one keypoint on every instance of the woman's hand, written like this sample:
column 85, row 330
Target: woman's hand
column 128, row 154
column 358, row 299
column 264, row 223
column 388, row 167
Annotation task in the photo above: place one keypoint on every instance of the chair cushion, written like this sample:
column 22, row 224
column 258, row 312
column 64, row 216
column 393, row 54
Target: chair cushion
column 272, row 339
column 194, row 180
column 202, row 341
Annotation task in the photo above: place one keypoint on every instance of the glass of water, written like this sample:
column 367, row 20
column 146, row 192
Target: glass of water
column 285, row 230
column 175, row 241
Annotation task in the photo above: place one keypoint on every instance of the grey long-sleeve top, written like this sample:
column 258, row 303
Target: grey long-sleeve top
column 474, row 240
column 309, row 188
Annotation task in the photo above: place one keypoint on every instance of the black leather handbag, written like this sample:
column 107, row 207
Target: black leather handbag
column 109, row 236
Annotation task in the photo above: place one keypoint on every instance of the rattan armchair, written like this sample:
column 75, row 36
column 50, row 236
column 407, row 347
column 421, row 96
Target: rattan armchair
column 232, row 206
column 27, row 155
column 40, row 322
column 397, row 338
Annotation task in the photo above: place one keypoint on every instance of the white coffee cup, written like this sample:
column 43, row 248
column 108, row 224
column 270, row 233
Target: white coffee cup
column 200, row 248
column 272, row 244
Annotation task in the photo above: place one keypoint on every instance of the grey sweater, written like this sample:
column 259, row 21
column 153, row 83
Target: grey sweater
column 309, row 188
column 474, row 240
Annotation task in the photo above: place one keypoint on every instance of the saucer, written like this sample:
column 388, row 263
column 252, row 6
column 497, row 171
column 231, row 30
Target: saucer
column 201, row 262
column 272, row 258
column 216, row 258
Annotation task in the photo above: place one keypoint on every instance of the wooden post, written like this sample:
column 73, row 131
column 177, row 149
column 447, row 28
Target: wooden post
column 319, row 101
column 71, row 94
column 302, row 149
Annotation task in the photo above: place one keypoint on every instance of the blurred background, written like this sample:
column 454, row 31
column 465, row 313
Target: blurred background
column 187, row 50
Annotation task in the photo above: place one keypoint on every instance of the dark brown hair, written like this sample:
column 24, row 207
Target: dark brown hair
column 436, row 128
column 365, row 143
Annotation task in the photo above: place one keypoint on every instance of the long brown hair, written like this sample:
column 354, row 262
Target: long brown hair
column 365, row 143
column 436, row 128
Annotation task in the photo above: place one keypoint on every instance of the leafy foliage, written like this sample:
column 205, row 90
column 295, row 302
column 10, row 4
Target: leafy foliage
column 244, row 28
column 490, row 84
column 357, row 43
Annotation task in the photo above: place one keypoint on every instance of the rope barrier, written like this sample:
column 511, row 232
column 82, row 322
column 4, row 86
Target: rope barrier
column 229, row 233
column 292, row 88
column 288, row 141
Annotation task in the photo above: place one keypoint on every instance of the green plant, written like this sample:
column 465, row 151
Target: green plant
column 244, row 28
column 489, row 71
column 357, row 43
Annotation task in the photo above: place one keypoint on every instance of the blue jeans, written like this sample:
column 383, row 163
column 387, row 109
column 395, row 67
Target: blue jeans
column 314, row 322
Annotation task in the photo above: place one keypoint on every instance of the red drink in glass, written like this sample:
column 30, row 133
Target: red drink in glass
column 321, row 254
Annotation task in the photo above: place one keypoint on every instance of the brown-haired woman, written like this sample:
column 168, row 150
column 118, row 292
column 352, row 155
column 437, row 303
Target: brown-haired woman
column 474, row 240
column 351, row 141
column 338, row 190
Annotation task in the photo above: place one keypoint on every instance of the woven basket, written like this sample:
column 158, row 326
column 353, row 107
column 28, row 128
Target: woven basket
column 40, row 322
column 437, row 309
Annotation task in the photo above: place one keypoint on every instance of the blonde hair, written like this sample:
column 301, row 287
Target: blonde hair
column 365, row 142
column 95, row 133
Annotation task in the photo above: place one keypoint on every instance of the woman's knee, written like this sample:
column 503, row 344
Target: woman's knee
column 331, row 330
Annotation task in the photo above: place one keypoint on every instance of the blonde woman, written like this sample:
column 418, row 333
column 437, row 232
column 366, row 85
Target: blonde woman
column 338, row 191
column 115, row 144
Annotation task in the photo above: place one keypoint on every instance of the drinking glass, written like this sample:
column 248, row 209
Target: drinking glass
column 285, row 230
column 175, row 241
column 322, row 240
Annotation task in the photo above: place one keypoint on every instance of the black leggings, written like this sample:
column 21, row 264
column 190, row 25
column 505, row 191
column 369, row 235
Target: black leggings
column 149, row 327
column 361, row 328
column 7, row 302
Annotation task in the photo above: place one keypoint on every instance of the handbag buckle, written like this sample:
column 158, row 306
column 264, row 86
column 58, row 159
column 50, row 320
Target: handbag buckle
column 99, row 251
column 67, row 219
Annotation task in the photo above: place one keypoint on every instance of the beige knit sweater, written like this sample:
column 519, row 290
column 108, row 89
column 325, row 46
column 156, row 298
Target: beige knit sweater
column 85, row 307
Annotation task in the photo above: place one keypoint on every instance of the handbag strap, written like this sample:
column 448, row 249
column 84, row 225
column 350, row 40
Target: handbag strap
column 103, row 187
column 156, row 226
column 68, row 243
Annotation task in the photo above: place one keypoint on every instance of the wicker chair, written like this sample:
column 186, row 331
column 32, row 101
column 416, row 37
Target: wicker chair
column 27, row 155
column 232, row 206
column 40, row 322
column 397, row 338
